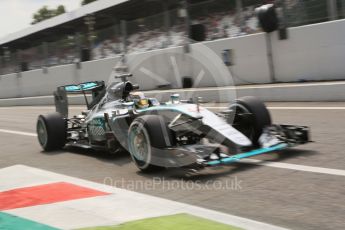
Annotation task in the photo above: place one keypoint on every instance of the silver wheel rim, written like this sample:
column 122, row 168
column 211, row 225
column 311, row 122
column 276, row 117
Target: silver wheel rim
column 42, row 132
column 139, row 145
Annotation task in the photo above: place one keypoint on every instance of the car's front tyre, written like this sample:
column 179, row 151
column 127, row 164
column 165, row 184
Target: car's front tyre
column 251, row 117
column 148, row 134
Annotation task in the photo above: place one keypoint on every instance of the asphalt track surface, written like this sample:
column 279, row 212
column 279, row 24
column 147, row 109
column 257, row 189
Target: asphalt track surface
column 295, row 199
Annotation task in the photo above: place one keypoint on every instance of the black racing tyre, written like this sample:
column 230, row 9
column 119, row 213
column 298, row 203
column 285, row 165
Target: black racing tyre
column 51, row 131
column 147, row 134
column 260, row 118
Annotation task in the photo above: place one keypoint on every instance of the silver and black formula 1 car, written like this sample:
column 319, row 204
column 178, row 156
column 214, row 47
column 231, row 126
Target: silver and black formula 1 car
column 168, row 134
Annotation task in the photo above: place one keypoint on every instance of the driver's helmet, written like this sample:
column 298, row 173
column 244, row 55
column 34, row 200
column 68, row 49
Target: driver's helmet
column 139, row 99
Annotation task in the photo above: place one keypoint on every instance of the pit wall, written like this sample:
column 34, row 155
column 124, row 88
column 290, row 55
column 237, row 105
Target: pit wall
column 311, row 53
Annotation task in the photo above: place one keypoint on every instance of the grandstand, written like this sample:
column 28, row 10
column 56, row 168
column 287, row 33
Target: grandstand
column 107, row 28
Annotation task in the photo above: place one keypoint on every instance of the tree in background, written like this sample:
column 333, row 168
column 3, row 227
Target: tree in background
column 45, row 13
column 60, row 10
column 84, row 2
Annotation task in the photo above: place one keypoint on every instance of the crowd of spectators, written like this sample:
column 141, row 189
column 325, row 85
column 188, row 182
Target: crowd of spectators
column 217, row 26
column 145, row 38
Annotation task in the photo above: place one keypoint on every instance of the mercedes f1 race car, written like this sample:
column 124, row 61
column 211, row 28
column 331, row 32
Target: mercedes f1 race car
column 174, row 133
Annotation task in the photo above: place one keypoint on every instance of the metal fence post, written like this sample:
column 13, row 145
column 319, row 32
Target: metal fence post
column 1, row 65
column 187, row 26
column 17, row 61
column 45, row 54
column 342, row 9
column 117, row 33
column 78, row 45
column 124, row 35
column 270, row 57
column 332, row 9
column 167, row 21
column 90, row 21
column 239, row 13
column 284, row 23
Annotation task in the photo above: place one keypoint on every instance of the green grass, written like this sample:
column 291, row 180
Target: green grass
column 174, row 222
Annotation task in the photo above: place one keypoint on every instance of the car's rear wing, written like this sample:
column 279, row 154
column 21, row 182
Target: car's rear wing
column 84, row 87
column 95, row 88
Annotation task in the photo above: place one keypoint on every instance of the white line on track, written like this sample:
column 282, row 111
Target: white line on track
column 287, row 108
column 208, row 107
column 304, row 168
column 18, row 133
column 306, row 108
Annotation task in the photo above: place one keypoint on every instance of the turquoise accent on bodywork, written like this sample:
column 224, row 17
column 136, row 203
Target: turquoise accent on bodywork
column 96, row 129
column 255, row 152
column 97, row 122
column 178, row 108
column 81, row 87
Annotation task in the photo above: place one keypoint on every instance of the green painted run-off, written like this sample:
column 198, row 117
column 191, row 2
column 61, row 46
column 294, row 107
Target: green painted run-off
column 11, row 222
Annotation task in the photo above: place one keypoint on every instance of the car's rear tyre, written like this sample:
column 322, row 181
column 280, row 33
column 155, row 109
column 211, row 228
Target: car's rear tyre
column 147, row 134
column 252, row 126
column 51, row 131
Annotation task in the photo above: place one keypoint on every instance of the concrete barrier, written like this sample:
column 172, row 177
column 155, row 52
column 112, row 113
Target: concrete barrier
column 312, row 92
column 313, row 52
